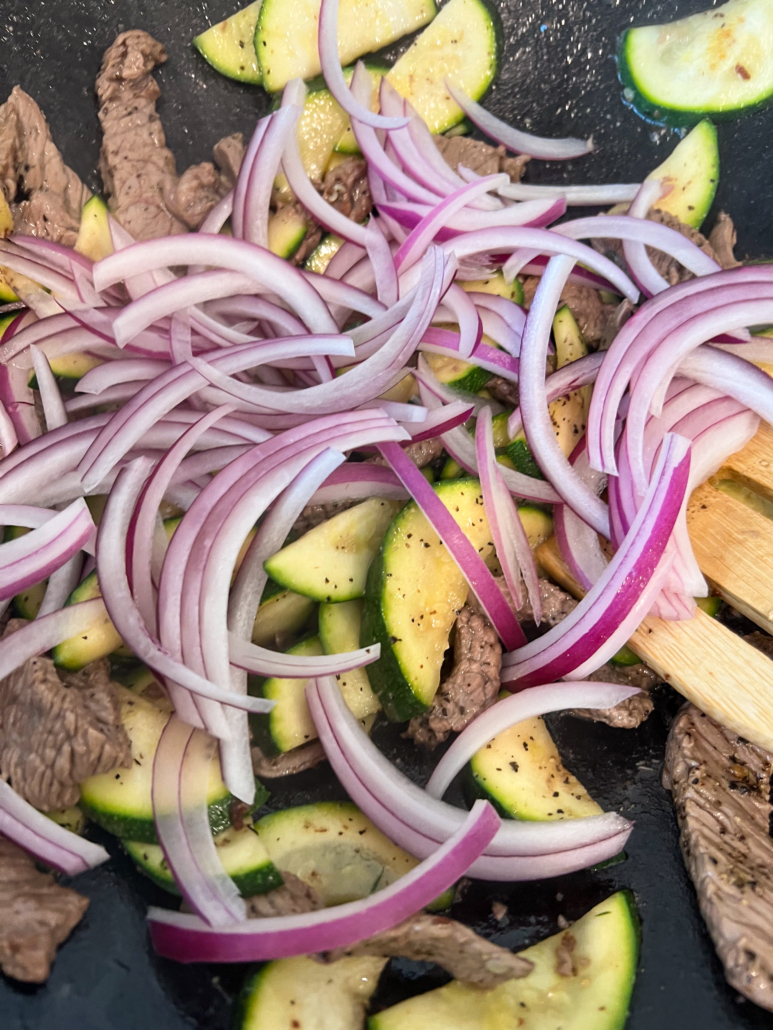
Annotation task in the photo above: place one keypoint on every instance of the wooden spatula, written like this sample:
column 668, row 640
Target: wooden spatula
column 702, row 659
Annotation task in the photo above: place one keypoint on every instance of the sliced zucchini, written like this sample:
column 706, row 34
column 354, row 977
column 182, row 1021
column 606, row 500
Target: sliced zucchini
column 347, row 144
column 27, row 603
column 71, row 819
column 692, row 172
column 339, row 631
column 286, row 34
column 520, row 772
column 323, row 253
column 303, row 992
column 457, row 373
column 460, row 44
column 121, row 801
column 625, row 656
column 69, row 367
column 334, row 848
column 497, row 285
column 94, row 237
column 289, row 724
column 7, row 295
column 451, row 470
column 330, row 562
column 242, row 853
column 712, row 606
column 414, row 592
column 142, row 681
column 602, row 949
column 280, row 616
column 716, row 62
column 229, row 46
column 286, row 231
column 100, row 640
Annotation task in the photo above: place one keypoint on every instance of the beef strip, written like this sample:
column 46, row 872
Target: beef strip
column 721, row 788
column 556, row 605
column 55, row 731
column 722, row 240
column 45, row 195
column 421, row 453
column 137, row 167
column 503, row 390
column 457, row 948
column 288, row 764
column 36, row 915
column 346, row 188
column 294, row 897
column 229, row 154
column 762, row 641
column 471, row 687
column 480, row 157
column 592, row 314
column 315, row 514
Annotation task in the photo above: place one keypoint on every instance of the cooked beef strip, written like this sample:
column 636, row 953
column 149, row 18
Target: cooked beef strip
column 722, row 240
column 556, row 605
column 229, row 154
column 36, row 915
column 421, row 453
column 471, row 687
column 294, row 897
column 45, row 195
column 503, row 390
column 288, row 764
column 721, row 789
column 480, row 157
column 585, row 304
column 137, row 168
column 57, row 730
column 762, row 641
column 315, row 514
column 346, row 188
column 457, row 948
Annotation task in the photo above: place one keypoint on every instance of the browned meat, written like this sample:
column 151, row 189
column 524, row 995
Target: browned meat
column 503, row 390
column 346, row 188
column 457, row 948
column 36, row 915
column 315, row 514
column 229, row 154
column 136, row 166
column 292, row 898
column 615, row 323
column 480, row 157
column 471, row 687
column 45, row 195
column 587, row 307
column 762, row 641
column 55, row 732
column 421, row 453
column 298, row 760
column 721, row 787
column 722, row 240
column 556, row 605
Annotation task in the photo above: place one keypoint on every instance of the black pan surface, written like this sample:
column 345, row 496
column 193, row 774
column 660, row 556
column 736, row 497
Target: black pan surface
column 558, row 77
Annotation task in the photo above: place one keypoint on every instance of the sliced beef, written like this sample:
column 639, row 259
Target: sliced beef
column 722, row 240
column 421, row 453
column 346, row 188
column 137, row 167
column 288, row 764
column 46, row 196
column 762, row 641
column 472, row 685
column 36, row 915
column 593, row 316
column 721, row 789
column 556, row 605
column 56, row 731
column 503, row 390
column 229, row 154
column 294, row 897
column 315, row 514
column 457, row 948
column 480, row 157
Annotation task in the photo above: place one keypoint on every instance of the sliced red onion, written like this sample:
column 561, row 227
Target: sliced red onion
column 520, row 142
column 527, row 704
column 647, row 277
column 262, row 662
column 61, row 584
column 357, row 480
column 577, row 541
column 613, row 608
column 537, row 423
column 181, row 770
column 242, row 182
column 219, row 214
column 280, row 134
column 8, row 438
column 380, row 255
column 187, row 939
column 50, row 397
column 570, row 377
column 29, row 559
column 41, row 635
column 443, row 420
column 443, row 341
column 575, row 196
column 44, row 839
column 470, row 563
column 437, row 819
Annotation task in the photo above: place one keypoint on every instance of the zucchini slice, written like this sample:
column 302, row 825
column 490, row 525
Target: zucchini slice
column 461, row 44
column 121, row 801
column 330, row 562
column 339, row 631
column 242, row 853
column 334, row 848
column 69, row 367
column 289, row 724
column 94, row 237
column 26, row 604
column 347, row 144
column 286, row 230
column 692, row 172
column 716, row 62
column 98, row 641
column 520, row 772
column 603, row 950
column 282, row 615
column 302, row 992
column 229, row 46
column 458, row 374
column 497, row 285
column 286, row 33
column 71, row 819
column 323, row 253
column 413, row 593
